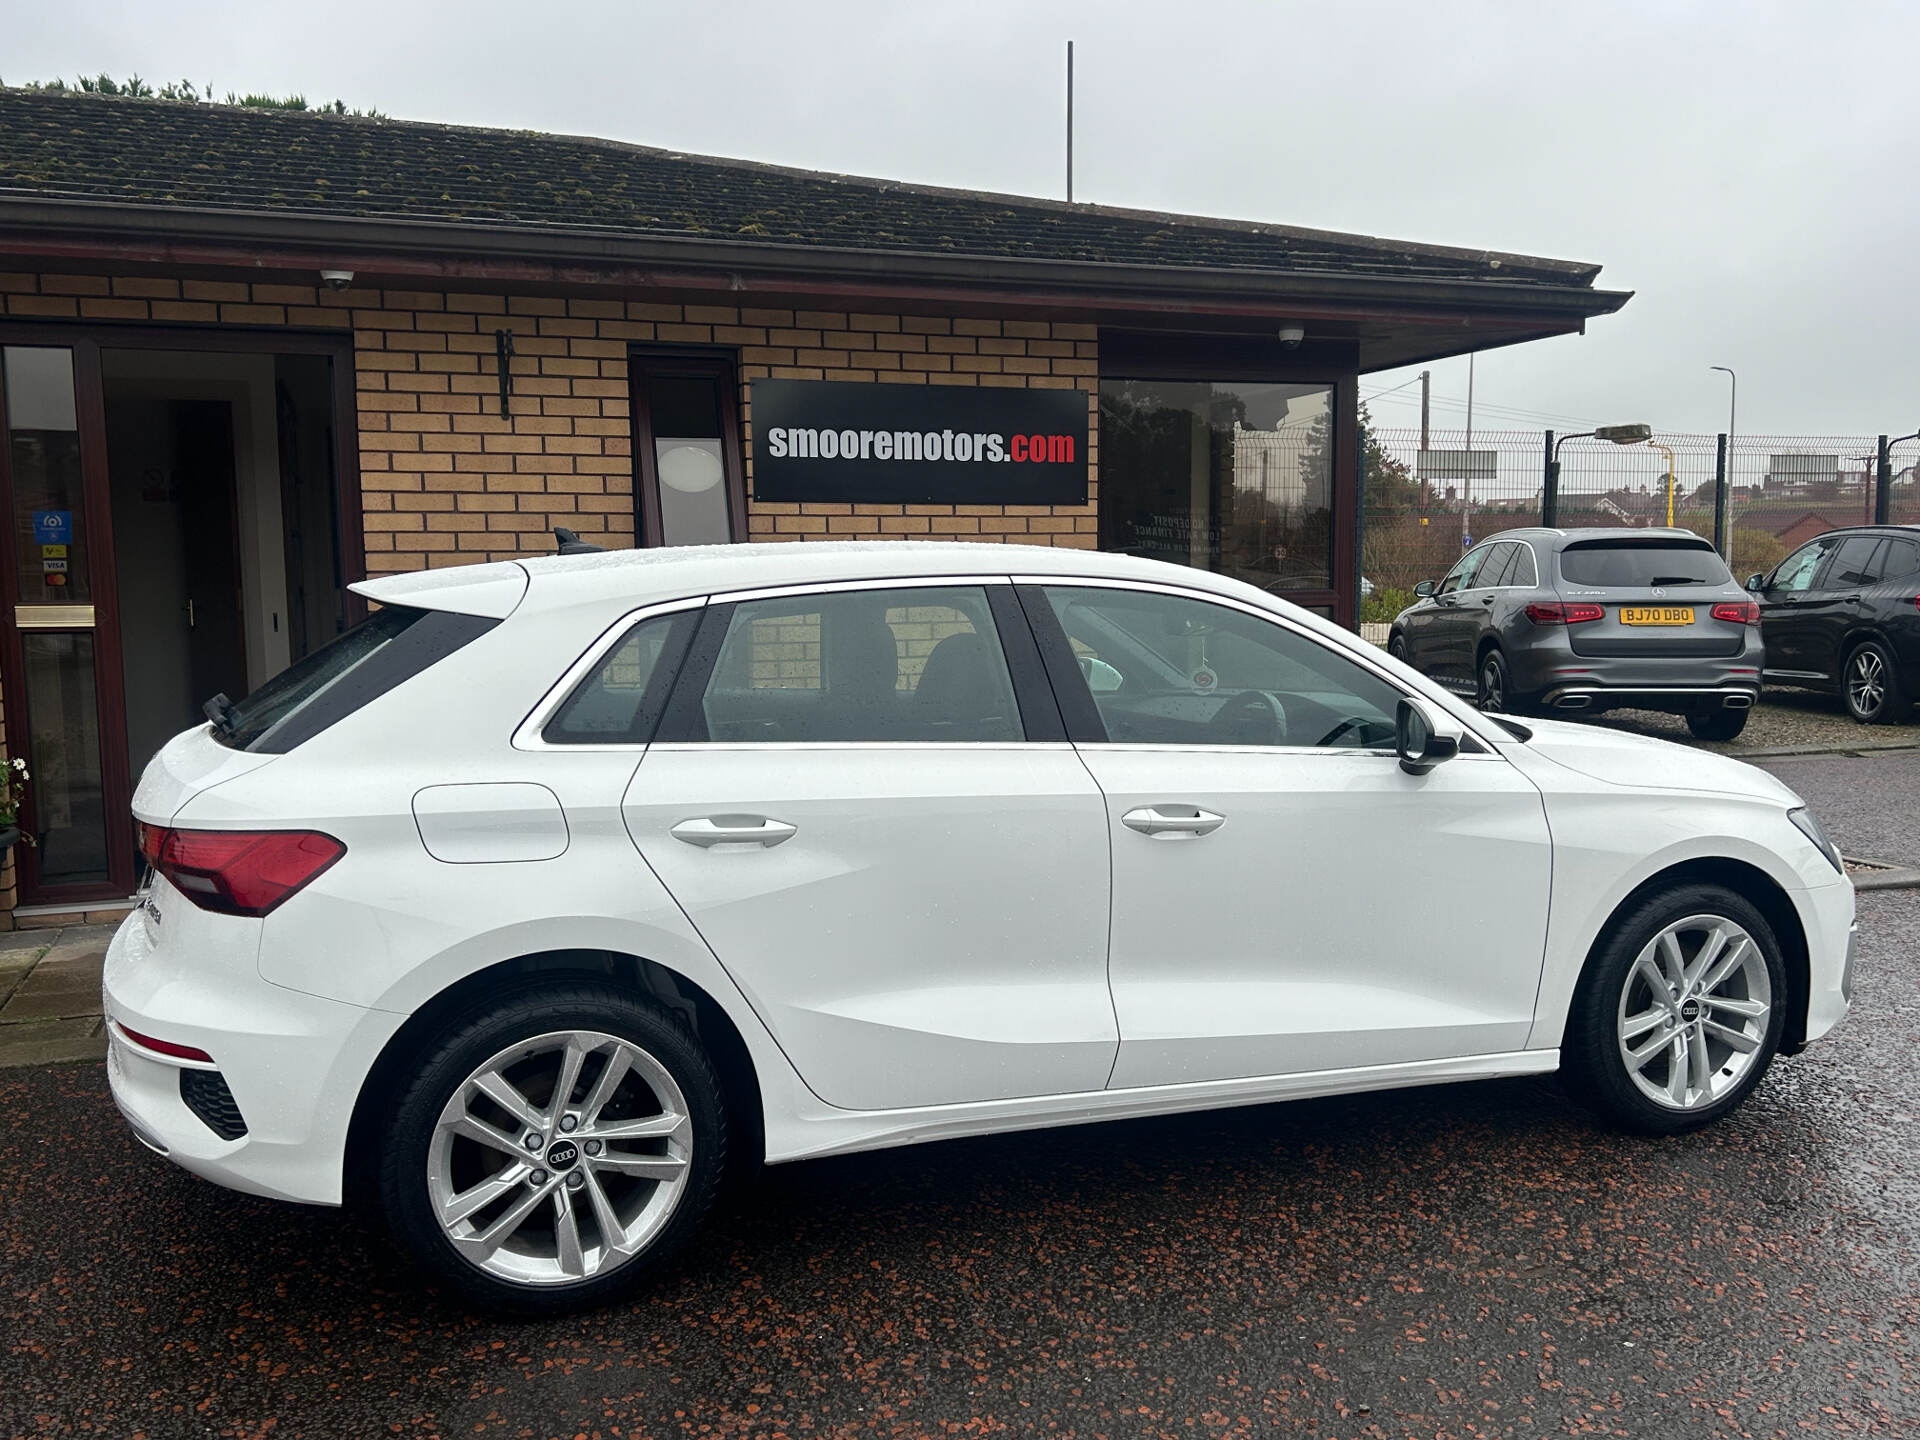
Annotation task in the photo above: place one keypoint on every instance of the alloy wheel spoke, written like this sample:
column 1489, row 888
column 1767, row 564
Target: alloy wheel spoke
column 1638, row 1057
column 653, row 1127
column 1634, row 1026
column 510, row 1220
column 1746, row 1009
column 1677, row 1068
column 1735, row 957
column 504, row 1093
column 1738, row 1039
column 566, row 1233
column 1675, row 963
column 1710, row 950
column 477, row 1197
column 485, row 1134
column 640, row 1167
column 1700, row 1066
column 611, row 1074
column 612, row 1232
column 571, row 1060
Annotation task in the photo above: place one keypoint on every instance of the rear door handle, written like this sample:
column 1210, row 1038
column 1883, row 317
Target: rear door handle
column 711, row 831
column 1173, row 822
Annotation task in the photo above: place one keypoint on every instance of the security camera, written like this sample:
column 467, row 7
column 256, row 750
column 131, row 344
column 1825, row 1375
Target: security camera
column 336, row 279
column 1292, row 335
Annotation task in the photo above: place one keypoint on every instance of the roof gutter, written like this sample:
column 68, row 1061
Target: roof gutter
column 82, row 230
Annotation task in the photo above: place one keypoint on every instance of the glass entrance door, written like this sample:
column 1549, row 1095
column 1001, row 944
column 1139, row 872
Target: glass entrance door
column 80, row 847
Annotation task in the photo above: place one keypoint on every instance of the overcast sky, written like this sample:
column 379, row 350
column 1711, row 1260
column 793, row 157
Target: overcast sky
column 1752, row 171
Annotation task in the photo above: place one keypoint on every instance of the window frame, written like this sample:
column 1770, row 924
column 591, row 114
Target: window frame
column 1830, row 575
column 1085, row 728
column 1831, row 542
column 647, row 362
column 1460, row 567
column 1533, row 568
column 683, row 723
column 530, row 733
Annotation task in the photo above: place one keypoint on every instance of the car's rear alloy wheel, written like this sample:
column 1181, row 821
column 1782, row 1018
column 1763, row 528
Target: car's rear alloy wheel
column 1875, row 692
column 1493, row 697
column 1677, row 1015
column 548, row 1146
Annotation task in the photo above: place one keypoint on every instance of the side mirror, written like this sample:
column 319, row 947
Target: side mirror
column 1423, row 737
column 1756, row 581
column 1425, row 589
column 1101, row 678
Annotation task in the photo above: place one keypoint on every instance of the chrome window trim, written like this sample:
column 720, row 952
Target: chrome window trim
column 527, row 735
column 789, row 746
column 1477, row 727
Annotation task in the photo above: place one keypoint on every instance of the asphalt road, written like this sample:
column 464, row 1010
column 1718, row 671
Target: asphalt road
column 1476, row 1260
column 1870, row 805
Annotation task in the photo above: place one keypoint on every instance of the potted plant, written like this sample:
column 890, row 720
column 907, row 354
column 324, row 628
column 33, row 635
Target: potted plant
column 13, row 789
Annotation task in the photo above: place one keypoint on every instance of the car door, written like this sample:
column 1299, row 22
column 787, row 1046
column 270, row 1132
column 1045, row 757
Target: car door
column 1783, row 614
column 1285, row 897
column 890, row 847
column 1446, row 643
column 1489, row 582
column 1830, row 611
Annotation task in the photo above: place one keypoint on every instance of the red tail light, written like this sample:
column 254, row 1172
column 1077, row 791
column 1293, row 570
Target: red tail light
column 1740, row 612
column 238, row 872
column 1555, row 614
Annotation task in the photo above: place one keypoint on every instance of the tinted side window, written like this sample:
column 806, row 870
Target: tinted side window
column 1165, row 669
column 1461, row 577
column 621, row 699
column 1902, row 559
column 1498, row 570
column 1525, row 572
column 388, row 648
column 1855, row 563
column 1796, row 572
column 863, row 666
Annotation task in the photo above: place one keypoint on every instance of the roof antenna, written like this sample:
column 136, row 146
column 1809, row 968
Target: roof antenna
column 572, row 544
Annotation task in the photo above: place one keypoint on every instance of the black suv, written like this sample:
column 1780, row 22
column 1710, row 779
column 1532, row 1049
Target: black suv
column 1842, row 615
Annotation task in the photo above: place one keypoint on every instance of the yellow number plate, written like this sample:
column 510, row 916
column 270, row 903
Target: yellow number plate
column 1656, row 614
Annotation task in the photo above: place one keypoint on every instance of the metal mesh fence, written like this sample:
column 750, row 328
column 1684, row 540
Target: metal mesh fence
column 1421, row 509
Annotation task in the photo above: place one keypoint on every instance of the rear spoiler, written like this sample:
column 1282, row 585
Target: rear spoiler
column 492, row 590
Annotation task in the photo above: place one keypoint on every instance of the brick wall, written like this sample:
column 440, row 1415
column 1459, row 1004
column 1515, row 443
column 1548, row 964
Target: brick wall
column 446, row 480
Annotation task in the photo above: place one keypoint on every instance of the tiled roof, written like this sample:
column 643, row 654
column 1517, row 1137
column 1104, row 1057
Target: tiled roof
column 168, row 154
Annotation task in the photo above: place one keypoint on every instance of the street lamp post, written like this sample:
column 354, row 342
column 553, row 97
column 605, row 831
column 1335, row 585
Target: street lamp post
column 1723, row 497
column 1550, row 490
column 1669, row 454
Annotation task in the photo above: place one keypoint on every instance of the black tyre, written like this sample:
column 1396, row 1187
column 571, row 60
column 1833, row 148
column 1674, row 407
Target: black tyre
column 1876, row 692
column 1493, row 684
column 1397, row 648
column 1721, row 724
column 1678, row 1013
column 535, row 1200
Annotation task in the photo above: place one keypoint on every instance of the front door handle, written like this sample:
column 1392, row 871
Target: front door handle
column 711, row 831
column 1173, row 822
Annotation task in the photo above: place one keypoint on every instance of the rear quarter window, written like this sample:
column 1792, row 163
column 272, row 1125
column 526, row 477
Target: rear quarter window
column 385, row 650
column 1634, row 564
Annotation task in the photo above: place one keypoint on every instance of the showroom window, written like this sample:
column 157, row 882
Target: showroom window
column 862, row 666
column 1233, row 477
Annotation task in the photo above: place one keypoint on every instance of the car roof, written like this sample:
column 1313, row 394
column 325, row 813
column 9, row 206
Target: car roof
column 638, row 577
column 1586, row 534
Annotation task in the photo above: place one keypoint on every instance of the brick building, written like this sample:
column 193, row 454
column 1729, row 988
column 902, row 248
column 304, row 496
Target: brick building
column 247, row 357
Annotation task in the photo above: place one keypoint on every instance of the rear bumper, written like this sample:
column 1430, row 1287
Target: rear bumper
column 1552, row 676
column 293, row 1063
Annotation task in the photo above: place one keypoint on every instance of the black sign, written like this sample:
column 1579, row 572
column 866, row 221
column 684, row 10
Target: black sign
column 918, row 444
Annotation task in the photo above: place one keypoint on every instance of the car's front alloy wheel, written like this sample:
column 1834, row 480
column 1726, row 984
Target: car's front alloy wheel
column 1678, row 1014
column 548, row 1147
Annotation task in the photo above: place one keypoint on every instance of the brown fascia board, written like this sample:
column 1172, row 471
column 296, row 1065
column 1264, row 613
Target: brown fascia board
column 87, row 230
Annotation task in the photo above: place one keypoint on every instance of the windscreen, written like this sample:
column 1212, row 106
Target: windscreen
column 390, row 646
column 1637, row 564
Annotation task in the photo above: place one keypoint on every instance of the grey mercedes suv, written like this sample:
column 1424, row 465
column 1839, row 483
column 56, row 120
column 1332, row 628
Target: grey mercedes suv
column 1591, row 620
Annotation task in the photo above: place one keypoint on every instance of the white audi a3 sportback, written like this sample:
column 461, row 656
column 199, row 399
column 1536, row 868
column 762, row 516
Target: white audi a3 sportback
column 530, row 900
